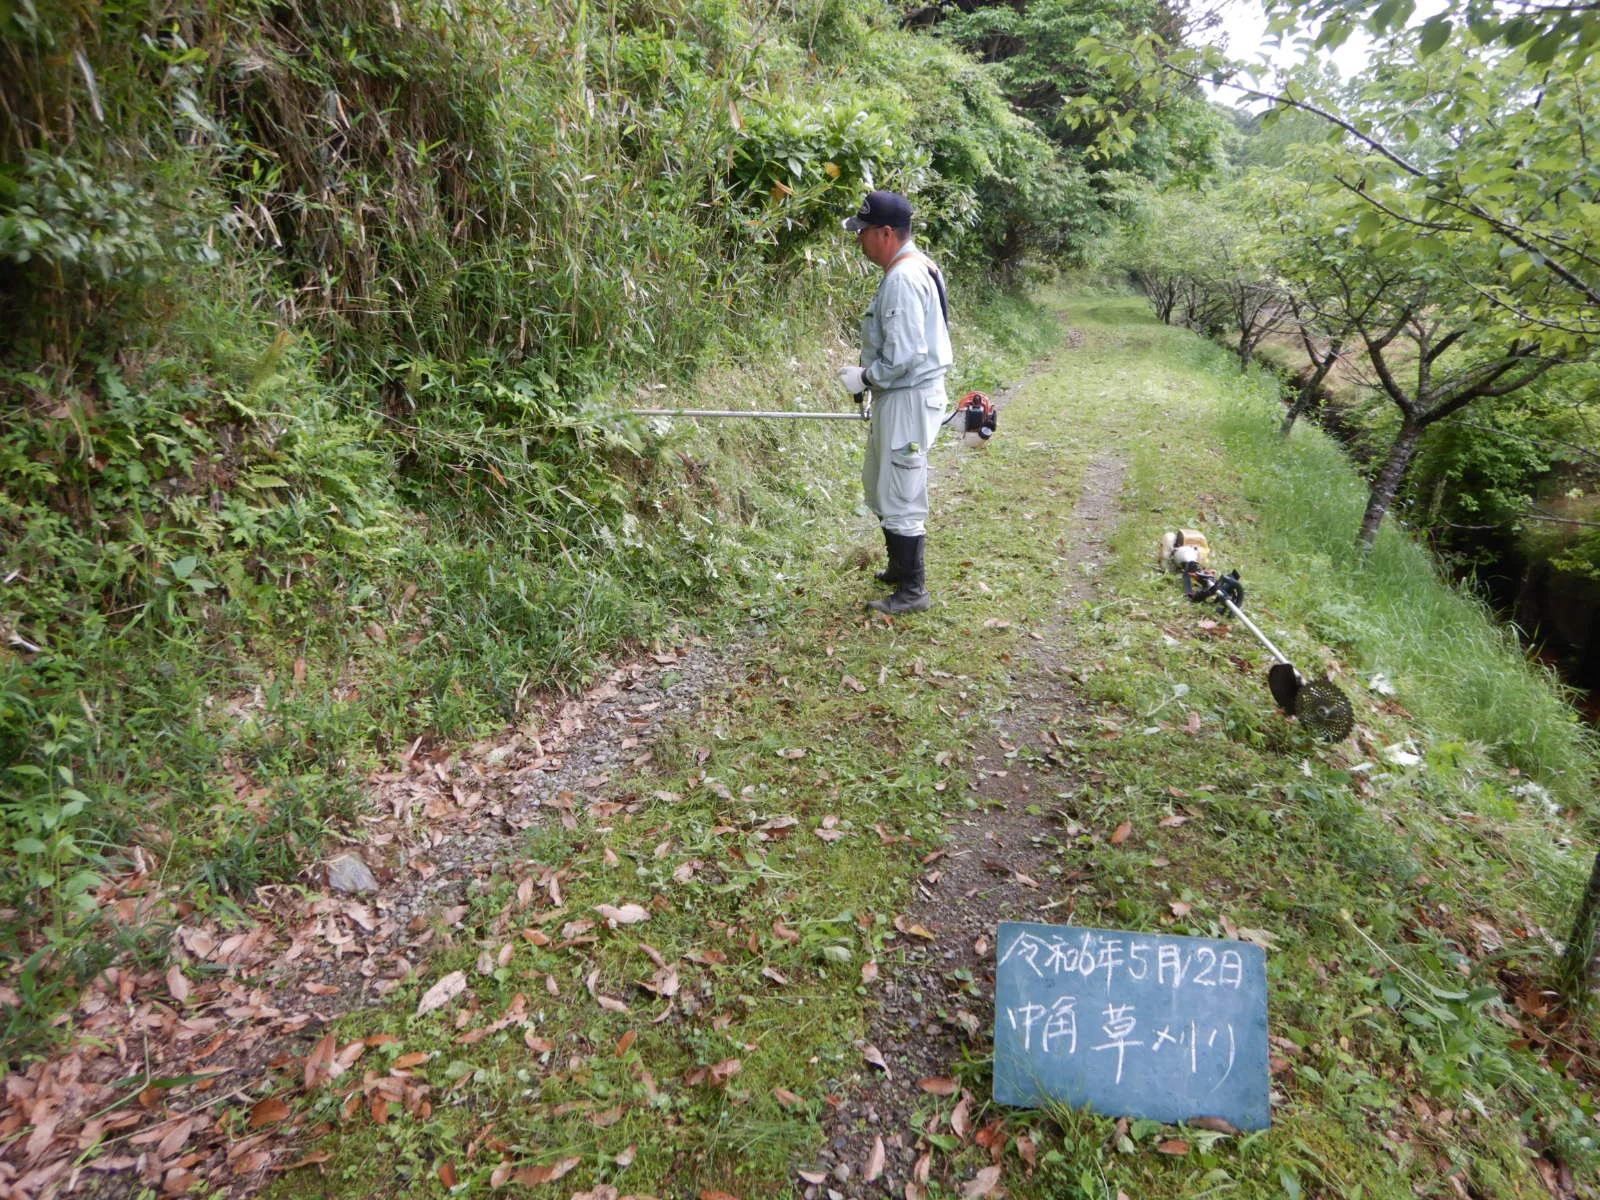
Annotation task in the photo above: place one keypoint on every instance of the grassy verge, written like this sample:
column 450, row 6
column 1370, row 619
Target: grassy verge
column 1464, row 673
column 693, row 1042
column 1411, row 908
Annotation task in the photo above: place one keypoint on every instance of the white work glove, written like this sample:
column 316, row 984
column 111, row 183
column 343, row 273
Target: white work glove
column 852, row 380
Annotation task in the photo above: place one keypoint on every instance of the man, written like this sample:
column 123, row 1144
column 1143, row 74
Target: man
column 905, row 352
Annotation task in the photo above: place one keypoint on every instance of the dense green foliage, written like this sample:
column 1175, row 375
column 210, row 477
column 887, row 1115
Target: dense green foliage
column 1465, row 138
column 1471, row 159
column 1273, row 253
column 1461, row 154
column 1511, row 476
column 1106, row 138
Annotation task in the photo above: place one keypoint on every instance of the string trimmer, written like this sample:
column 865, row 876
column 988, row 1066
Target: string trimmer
column 771, row 414
column 1317, row 704
column 975, row 409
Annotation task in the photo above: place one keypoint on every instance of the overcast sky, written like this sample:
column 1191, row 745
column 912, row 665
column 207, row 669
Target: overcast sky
column 1245, row 25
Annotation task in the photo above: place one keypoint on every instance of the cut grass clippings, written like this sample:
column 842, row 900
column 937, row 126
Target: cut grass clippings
column 671, row 996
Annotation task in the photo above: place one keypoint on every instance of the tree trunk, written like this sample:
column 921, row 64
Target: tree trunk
column 1577, row 962
column 1303, row 401
column 1310, row 387
column 1387, row 484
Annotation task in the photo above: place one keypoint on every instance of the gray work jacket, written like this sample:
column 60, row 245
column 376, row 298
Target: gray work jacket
column 905, row 342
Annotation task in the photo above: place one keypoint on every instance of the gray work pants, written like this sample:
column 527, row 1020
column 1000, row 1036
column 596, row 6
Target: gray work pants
column 894, row 475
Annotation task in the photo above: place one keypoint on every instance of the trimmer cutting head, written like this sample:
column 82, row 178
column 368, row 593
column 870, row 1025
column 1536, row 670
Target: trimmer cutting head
column 1324, row 710
column 1283, row 681
column 1320, row 707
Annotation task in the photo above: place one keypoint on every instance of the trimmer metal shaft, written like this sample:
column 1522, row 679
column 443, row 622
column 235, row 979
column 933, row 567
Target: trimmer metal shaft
column 745, row 412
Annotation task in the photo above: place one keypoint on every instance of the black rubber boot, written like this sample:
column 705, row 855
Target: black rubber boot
column 891, row 573
column 910, row 595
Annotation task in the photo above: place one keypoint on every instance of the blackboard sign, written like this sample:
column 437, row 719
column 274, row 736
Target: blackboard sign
column 1131, row 1024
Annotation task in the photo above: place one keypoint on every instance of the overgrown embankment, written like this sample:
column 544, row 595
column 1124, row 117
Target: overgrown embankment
column 1472, row 438
column 314, row 316
column 1504, row 494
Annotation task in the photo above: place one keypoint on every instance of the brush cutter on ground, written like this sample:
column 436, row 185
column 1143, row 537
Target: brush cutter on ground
column 1317, row 704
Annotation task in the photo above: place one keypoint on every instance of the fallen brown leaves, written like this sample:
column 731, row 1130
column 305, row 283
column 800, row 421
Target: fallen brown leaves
column 142, row 1090
column 716, row 1076
column 442, row 992
column 875, row 1056
column 876, row 1159
column 960, row 1122
column 530, row 1176
column 624, row 914
column 187, row 1075
column 983, row 1183
column 267, row 1112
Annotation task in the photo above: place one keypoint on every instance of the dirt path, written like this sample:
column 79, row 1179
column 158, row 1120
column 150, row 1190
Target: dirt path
column 1010, row 860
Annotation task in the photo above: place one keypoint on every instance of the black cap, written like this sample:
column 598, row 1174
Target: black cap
column 881, row 208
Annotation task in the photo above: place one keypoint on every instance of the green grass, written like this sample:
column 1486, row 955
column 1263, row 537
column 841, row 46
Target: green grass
column 230, row 748
column 1462, row 671
column 837, row 899
column 1409, row 908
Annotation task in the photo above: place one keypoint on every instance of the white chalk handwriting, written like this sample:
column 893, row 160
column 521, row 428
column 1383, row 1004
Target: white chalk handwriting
column 1168, row 963
column 1053, row 1029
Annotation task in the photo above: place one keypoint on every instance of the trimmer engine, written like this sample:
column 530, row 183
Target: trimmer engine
column 978, row 415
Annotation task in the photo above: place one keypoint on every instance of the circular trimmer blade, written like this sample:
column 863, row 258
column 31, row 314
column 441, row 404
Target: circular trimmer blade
column 1324, row 710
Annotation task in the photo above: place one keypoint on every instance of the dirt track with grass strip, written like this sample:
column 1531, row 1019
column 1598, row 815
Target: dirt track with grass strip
column 936, row 1011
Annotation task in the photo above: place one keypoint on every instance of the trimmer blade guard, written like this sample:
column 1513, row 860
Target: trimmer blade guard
column 1324, row 710
column 1284, row 683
